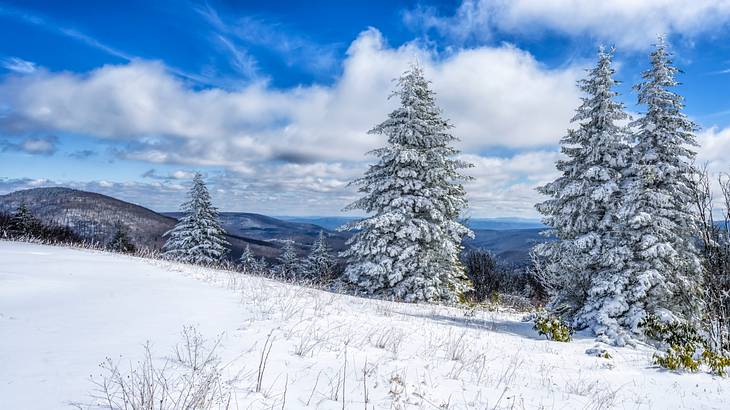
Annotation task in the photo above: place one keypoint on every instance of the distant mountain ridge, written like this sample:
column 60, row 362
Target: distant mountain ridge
column 266, row 228
column 92, row 216
column 498, row 224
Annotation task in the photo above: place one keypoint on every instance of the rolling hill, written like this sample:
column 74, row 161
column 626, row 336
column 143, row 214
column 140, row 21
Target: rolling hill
column 266, row 228
column 510, row 246
column 92, row 216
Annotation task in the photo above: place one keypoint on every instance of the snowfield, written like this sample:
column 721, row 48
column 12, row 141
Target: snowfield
column 63, row 311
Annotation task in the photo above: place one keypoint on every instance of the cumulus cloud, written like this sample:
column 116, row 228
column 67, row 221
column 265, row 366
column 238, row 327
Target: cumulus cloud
column 304, row 139
column 485, row 92
column 506, row 185
column 714, row 146
column 628, row 23
column 33, row 145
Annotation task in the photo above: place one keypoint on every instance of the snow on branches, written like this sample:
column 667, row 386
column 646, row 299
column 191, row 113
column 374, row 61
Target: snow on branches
column 408, row 249
column 197, row 237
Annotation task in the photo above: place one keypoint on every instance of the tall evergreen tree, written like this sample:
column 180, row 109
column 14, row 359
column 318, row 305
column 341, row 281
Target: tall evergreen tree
column 289, row 267
column 319, row 263
column 409, row 247
column 588, row 257
column 666, row 270
column 197, row 237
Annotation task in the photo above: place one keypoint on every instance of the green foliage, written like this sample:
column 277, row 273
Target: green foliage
column 716, row 362
column 687, row 349
column 679, row 357
column 552, row 328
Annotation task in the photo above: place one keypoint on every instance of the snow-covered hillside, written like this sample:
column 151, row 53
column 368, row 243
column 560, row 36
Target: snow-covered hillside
column 62, row 311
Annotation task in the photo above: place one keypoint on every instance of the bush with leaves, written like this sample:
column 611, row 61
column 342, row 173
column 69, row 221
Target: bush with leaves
column 684, row 347
column 552, row 328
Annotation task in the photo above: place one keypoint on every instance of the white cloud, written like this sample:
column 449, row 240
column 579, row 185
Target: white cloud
column 487, row 92
column 33, row 145
column 628, row 23
column 714, row 151
column 308, row 138
column 506, row 186
column 714, row 146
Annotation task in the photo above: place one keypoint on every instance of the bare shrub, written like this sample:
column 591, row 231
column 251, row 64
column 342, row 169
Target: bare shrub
column 190, row 379
column 388, row 339
column 263, row 361
column 715, row 251
column 309, row 341
column 489, row 278
column 482, row 271
column 456, row 346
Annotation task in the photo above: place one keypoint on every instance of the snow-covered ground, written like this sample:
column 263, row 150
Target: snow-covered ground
column 62, row 311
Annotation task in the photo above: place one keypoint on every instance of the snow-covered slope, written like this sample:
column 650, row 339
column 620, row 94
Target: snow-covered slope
column 62, row 311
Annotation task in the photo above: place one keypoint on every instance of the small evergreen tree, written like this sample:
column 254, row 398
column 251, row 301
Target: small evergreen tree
column 5, row 225
column 247, row 261
column 289, row 267
column 261, row 266
column 23, row 223
column 589, row 258
column 409, row 247
column 320, row 263
column 666, row 271
column 120, row 242
column 197, row 237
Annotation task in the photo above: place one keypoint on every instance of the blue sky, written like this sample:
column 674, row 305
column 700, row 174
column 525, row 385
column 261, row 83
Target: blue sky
column 273, row 100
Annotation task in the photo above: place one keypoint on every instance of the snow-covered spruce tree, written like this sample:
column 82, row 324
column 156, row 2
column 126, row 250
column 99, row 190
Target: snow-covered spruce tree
column 247, row 261
column 289, row 266
column 319, row 263
column 408, row 249
column 120, row 242
column 197, row 237
column 588, row 258
column 666, row 270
